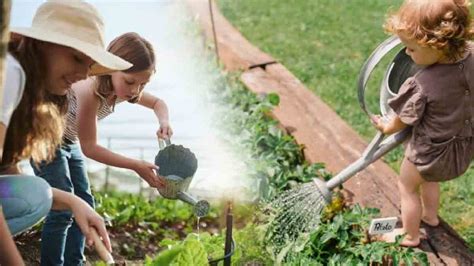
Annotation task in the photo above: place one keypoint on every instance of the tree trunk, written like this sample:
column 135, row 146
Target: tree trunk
column 4, row 22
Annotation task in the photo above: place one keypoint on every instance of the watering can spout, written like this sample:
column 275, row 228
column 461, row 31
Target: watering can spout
column 201, row 207
column 176, row 187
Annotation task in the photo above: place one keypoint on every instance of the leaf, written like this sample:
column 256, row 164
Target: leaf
column 274, row 99
column 422, row 258
column 407, row 259
column 301, row 242
column 327, row 236
column 395, row 258
column 168, row 242
column 193, row 253
column 166, row 257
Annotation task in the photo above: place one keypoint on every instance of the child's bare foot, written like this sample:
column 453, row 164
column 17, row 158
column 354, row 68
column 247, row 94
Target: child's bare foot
column 407, row 240
column 433, row 222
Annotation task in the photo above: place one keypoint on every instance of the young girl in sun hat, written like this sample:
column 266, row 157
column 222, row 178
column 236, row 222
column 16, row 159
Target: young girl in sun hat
column 437, row 102
column 90, row 101
column 65, row 44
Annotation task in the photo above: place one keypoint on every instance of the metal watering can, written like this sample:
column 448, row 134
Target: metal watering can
column 178, row 165
column 317, row 194
column 401, row 68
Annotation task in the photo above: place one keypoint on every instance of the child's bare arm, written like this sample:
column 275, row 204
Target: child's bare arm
column 87, row 106
column 394, row 124
column 85, row 216
column 157, row 105
column 161, row 111
column 9, row 255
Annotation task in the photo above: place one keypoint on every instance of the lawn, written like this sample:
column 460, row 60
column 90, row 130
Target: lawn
column 324, row 43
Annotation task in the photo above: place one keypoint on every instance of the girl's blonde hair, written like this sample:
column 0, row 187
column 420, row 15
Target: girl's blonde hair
column 136, row 50
column 441, row 24
column 36, row 126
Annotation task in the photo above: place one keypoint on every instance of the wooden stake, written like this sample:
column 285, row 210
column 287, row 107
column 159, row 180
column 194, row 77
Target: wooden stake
column 100, row 248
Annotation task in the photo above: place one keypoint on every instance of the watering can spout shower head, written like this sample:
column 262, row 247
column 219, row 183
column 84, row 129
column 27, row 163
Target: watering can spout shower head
column 177, row 165
column 201, row 207
column 322, row 188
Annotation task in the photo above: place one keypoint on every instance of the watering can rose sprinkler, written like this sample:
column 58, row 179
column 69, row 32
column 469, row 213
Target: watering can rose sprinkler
column 177, row 165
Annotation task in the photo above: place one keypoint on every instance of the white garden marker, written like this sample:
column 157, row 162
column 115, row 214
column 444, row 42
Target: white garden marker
column 382, row 225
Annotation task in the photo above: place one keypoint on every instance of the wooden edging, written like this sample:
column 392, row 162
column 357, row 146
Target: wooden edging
column 325, row 136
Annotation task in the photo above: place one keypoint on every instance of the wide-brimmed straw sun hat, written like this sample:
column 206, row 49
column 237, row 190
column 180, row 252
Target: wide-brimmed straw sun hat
column 75, row 24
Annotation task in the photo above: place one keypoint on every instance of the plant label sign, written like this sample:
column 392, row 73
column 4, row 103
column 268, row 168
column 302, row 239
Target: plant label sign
column 382, row 225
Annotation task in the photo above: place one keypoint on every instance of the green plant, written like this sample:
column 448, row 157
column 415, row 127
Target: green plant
column 249, row 247
column 189, row 252
column 274, row 156
column 124, row 208
column 138, row 222
column 279, row 163
column 344, row 240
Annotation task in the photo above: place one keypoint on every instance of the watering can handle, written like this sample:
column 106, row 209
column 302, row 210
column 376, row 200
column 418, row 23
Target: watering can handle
column 163, row 143
column 369, row 65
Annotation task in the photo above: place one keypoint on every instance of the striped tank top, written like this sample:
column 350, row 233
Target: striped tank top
column 70, row 131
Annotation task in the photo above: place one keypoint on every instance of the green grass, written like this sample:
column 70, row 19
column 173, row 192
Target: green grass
column 324, row 43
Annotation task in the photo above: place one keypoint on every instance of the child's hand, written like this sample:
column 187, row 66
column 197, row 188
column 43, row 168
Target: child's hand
column 88, row 218
column 378, row 122
column 146, row 171
column 165, row 131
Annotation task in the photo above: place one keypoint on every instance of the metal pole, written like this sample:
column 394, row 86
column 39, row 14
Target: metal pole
column 214, row 32
column 228, row 235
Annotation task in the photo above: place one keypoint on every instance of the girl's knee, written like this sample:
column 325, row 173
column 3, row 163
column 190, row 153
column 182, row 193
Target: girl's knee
column 28, row 200
column 404, row 189
column 410, row 177
column 407, row 187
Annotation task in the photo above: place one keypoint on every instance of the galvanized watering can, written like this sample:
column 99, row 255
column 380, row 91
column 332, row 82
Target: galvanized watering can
column 177, row 165
column 401, row 68
column 305, row 203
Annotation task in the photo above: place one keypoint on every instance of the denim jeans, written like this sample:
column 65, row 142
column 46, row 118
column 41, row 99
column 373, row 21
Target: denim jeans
column 62, row 240
column 25, row 200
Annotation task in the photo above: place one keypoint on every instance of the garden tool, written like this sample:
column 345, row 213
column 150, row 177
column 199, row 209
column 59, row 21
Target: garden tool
column 401, row 68
column 100, row 248
column 177, row 166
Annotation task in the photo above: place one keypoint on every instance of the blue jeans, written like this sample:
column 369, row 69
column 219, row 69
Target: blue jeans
column 62, row 240
column 25, row 200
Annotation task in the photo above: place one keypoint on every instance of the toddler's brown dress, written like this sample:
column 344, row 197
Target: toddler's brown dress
column 439, row 103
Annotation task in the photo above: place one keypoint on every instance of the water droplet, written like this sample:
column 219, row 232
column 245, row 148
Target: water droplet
column 296, row 211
